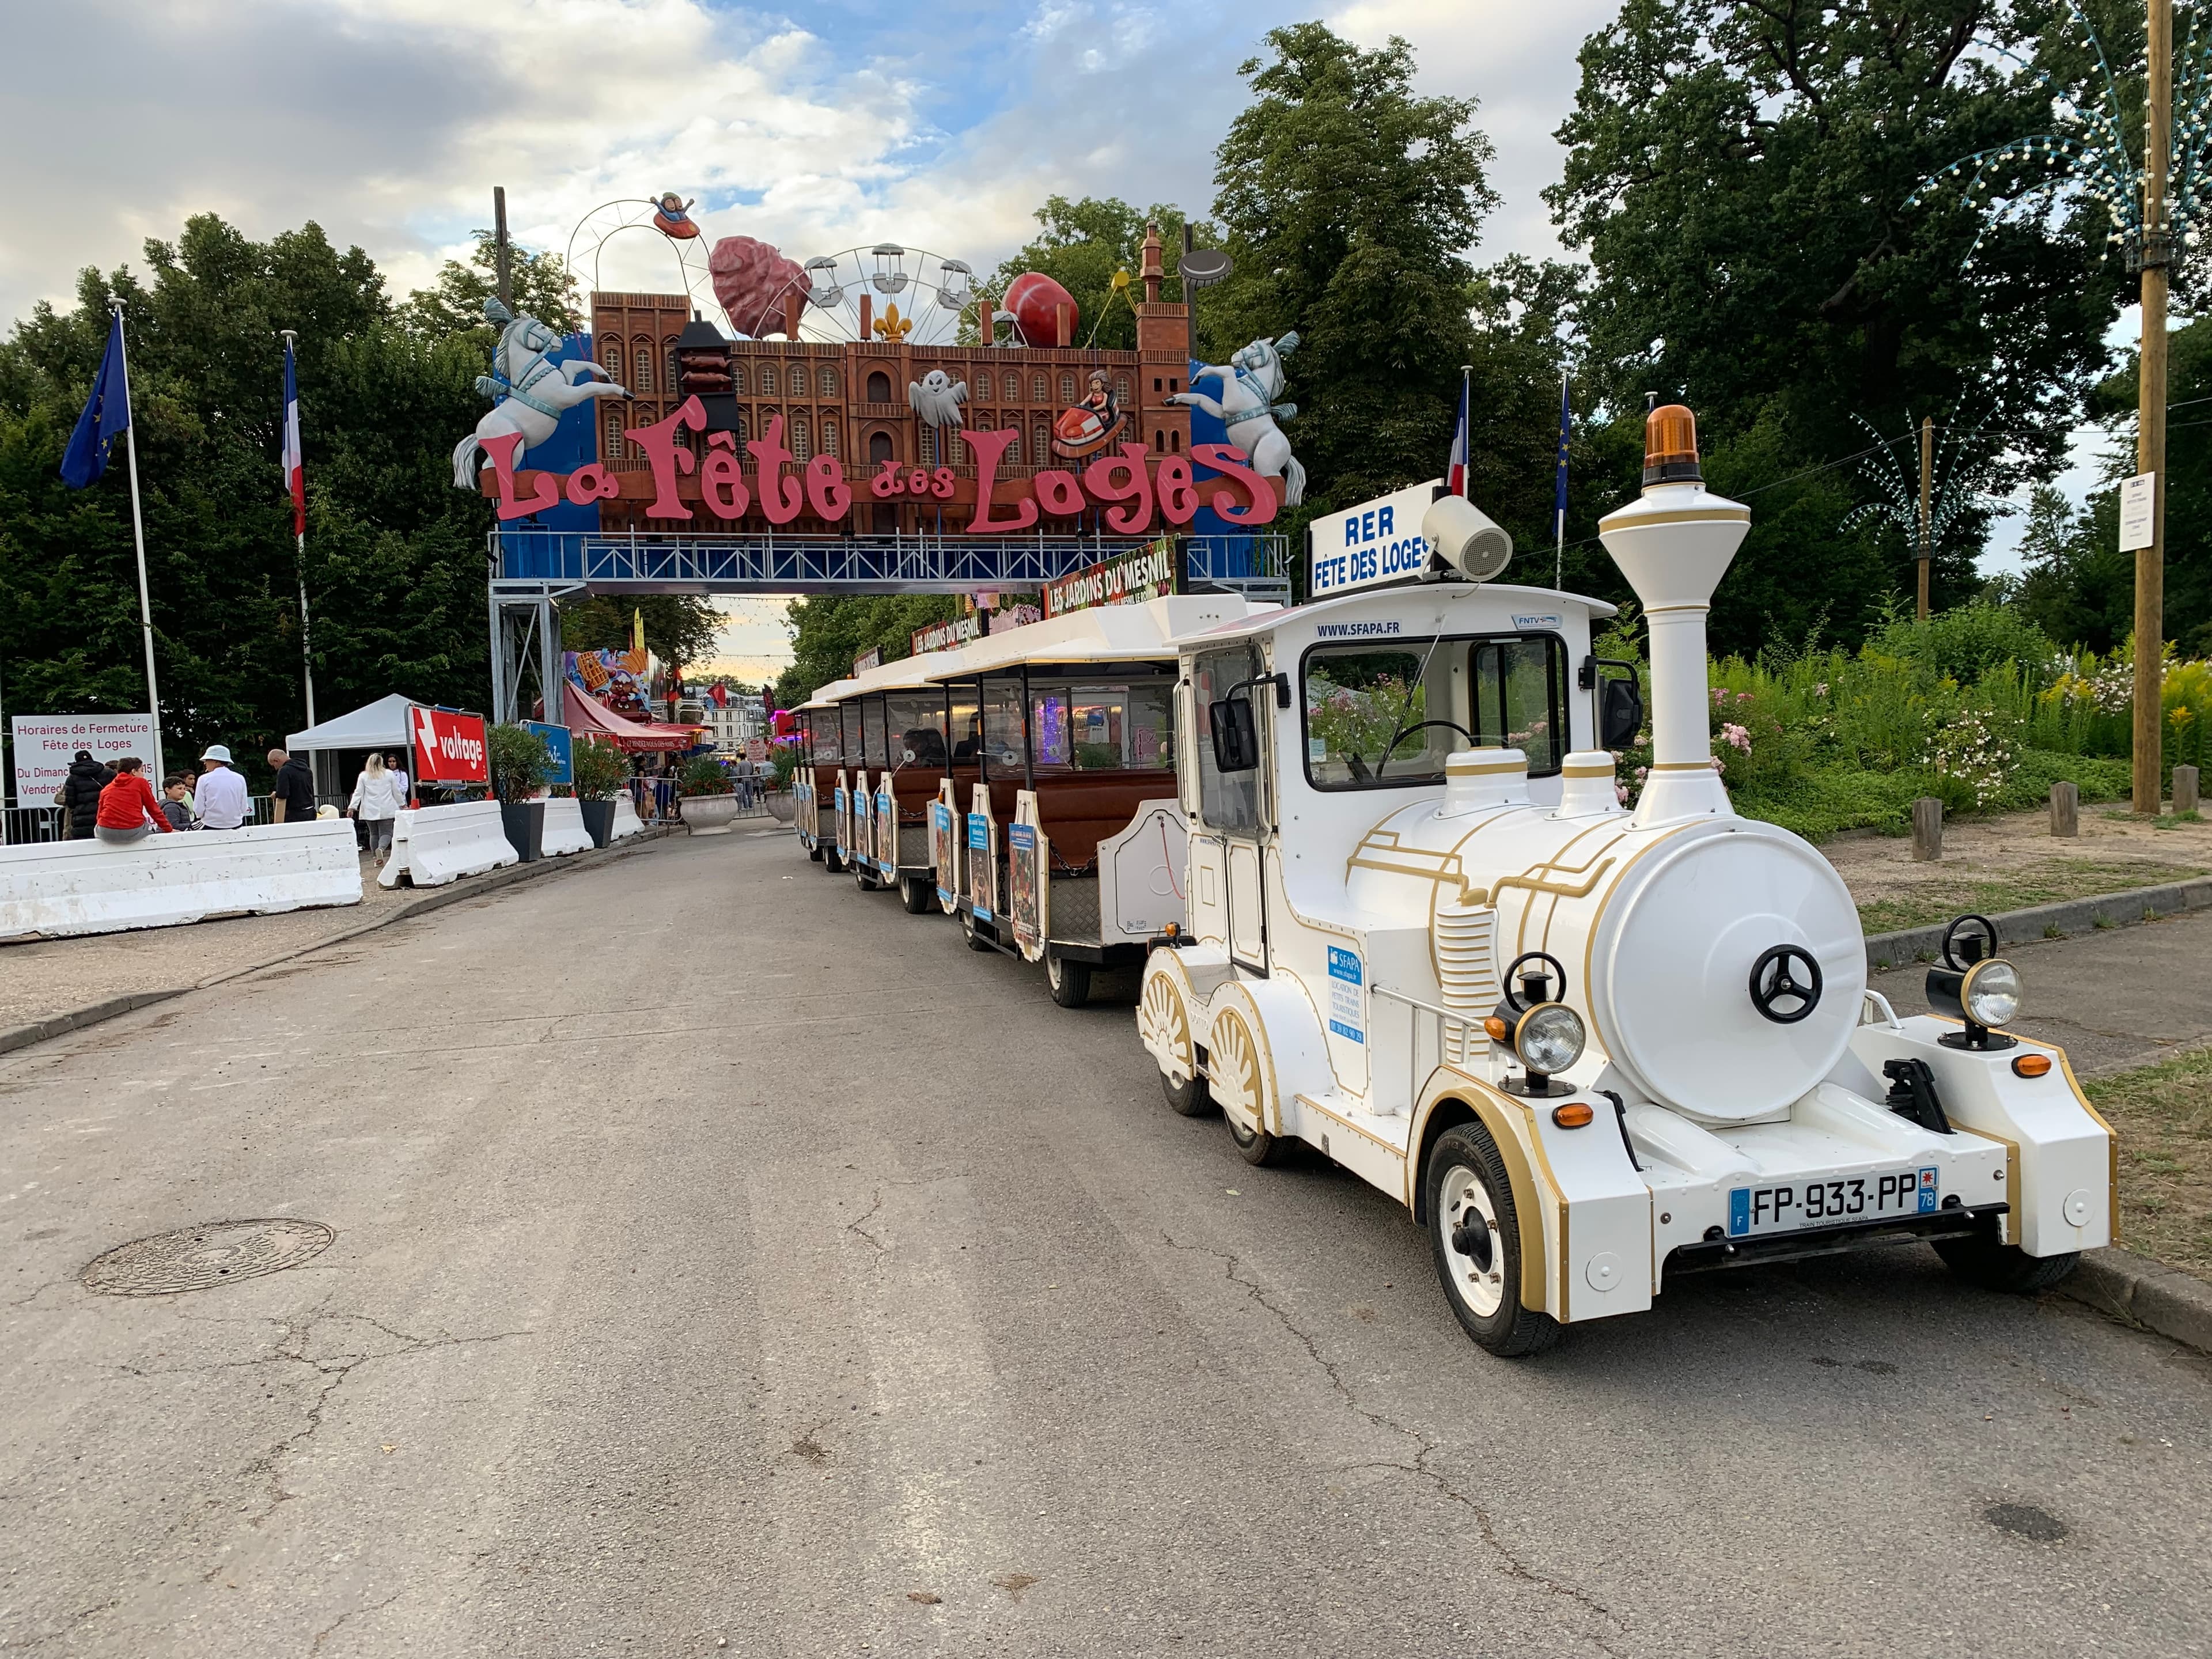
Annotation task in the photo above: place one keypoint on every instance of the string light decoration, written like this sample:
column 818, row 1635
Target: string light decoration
column 2086, row 154
column 1949, row 494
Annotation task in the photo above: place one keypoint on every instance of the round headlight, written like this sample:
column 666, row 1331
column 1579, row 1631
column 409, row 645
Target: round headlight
column 1550, row 1038
column 1991, row 992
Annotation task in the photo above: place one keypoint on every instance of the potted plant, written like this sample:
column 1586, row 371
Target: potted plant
column 600, row 771
column 784, row 757
column 519, row 761
column 708, row 803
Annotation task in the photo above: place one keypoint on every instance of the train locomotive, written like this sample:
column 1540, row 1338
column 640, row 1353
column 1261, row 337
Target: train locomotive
column 1587, row 1046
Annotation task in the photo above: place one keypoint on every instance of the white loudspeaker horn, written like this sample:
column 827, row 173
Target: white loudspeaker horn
column 1465, row 539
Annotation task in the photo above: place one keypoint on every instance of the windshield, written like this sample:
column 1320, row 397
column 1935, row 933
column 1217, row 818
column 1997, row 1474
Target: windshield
column 1387, row 715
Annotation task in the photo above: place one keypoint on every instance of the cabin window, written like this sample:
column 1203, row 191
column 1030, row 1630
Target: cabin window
column 871, row 733
column 1374, row 713
column 964, row 720
column 822, row 730
column 1093, row 728
column 879, row 386
column 848, row 721
column 916, row 721
column 1003, row 747
column 1228, row 801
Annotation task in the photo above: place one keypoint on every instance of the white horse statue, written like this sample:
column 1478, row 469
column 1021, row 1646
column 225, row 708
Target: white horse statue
column 1250, row 383
column 531, row 392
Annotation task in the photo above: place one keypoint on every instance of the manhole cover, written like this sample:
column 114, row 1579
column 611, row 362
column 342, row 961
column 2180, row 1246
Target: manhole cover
column 197, row 1258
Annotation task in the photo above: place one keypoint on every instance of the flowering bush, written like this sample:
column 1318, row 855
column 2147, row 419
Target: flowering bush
column 1975, row 757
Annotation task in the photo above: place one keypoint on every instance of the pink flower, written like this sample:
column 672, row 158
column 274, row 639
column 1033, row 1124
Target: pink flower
column 1743, row 696
column 1736, row 735
column 1720, row 695
column 1641, row 772
column 1621, row 790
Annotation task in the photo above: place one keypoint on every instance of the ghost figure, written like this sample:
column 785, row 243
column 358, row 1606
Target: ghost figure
column 937, row 399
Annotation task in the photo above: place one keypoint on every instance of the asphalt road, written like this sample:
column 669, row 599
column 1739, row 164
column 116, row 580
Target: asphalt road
column 939, row 1334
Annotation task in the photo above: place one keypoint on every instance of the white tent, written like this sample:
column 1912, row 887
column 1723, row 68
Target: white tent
column 379, row 725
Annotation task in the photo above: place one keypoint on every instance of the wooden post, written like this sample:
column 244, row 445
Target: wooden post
column 2065, row 809
column 1927, row 830
column 2185, row 789
column 867, row 316
column 1063, row 319
column 794, row 304
column 1927, row 490
column 2150, row 411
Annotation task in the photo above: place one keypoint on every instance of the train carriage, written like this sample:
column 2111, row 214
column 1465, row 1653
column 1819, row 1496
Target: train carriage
column 1586, row 1046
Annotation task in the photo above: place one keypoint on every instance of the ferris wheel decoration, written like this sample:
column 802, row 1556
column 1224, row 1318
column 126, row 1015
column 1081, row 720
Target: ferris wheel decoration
column 667, row 220
column 884, row 292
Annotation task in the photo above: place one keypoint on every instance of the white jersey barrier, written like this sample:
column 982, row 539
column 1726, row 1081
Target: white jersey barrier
column 564, row 830
column 432, row 845
column 58, row 888
column 627, row 822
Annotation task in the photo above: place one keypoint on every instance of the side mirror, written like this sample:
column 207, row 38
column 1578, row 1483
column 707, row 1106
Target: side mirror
column 1621, row 714
column 1236, row 735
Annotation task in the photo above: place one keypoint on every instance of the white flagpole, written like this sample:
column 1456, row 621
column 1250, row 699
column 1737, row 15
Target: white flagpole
column 299, row 560
column 1559, row 513
column 138, row 532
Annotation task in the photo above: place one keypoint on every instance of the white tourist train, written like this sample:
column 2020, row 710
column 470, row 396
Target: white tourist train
column 1586, row 1046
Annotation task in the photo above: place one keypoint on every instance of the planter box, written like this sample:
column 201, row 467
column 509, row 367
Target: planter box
column 708, row 814
column 782, row 808
column 600, row 819
column 523, row 822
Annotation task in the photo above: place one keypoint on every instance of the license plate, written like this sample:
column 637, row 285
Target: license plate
column 1786, row 1206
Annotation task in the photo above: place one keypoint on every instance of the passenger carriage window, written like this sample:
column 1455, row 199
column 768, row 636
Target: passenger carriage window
column 823, row 725
column 1002, row 727
column 967, row 728
column 1103, row 727
column 1520, row 691
column 1227, row 801
column 848, row 720
column 916, row 721
column 872, row 728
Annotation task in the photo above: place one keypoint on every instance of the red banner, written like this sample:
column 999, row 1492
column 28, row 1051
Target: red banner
column 449, row 748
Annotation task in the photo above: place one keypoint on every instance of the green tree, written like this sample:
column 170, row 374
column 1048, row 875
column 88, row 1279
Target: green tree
column 679, row 629
column 2101, row 580
column 827, row 632
column 1082, row 245
column 453, row 303
column 1739, row 171
column 1349, row 202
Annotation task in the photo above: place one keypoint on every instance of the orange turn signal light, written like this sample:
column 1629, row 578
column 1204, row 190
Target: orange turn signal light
column 2032, row 1066
column 1574, row 1114
column 1172, row 929
column 1498, row 1029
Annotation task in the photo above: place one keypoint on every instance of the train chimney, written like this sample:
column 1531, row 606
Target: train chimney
column 1673, row 544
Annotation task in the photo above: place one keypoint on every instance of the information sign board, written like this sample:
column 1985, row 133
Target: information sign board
column 1368, row 545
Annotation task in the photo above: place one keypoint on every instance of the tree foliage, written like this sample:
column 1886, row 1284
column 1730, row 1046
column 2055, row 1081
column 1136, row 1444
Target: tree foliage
column 1080, row 245
column 679, row 628
column 827, row 632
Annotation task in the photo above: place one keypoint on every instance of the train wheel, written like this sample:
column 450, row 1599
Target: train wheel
column 1476, row 1238
column 1994, row 1266
column 1234, row 1061
column 1163, row 1024
column 973, row 934
column 915, row 894
column 1070, row 980
column 862, row 878
column 814, row 853
column 833, row 860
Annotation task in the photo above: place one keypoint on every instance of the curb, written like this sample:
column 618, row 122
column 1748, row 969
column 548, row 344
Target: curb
column 2066, row 916
column 22, row 1036
column 2146, row 1294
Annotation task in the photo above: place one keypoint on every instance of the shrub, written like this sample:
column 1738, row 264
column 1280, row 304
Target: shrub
column 1974, row 753
column 518, row 760
column 1966, row 643
column 601, row 768
column 786, row 758
column 702, row 775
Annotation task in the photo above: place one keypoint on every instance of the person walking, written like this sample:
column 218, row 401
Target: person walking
column 177, row 800
column 398, row 776
column 220, row 797
column 293, row 791
column 128, row 809
column 376, row 802
column 79, row 795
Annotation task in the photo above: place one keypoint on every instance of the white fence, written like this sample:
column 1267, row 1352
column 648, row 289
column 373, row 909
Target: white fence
column 432, row 845
column 57, row 888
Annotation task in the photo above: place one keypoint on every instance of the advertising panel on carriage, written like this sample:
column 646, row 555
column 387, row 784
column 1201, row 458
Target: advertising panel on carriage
column 1025, row 881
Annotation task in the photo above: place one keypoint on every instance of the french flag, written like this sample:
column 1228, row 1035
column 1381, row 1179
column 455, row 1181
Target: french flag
column 296, row 478
column 1456, row 479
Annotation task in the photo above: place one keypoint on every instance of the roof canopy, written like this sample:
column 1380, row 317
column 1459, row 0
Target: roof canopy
column 587, row 717
column 379, row 725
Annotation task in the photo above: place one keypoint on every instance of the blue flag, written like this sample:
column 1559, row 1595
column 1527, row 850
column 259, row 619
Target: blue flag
column 1559, row 491
column 106, row 413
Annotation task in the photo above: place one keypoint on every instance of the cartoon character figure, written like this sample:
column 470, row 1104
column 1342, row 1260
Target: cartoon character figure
column 936, row 398
column 1092, row 424
column 674, row 219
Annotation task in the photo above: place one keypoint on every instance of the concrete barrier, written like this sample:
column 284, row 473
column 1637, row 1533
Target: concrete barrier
column 627, row 822
column 54, row 889
column 432, row 845
column 564, row 829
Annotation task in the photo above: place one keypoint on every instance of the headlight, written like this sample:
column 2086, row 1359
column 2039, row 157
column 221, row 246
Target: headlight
column 1550, row 1038
column 1992, row 993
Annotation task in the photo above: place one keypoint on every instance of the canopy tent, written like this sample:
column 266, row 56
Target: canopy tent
column 379, row 725
column 588, row 717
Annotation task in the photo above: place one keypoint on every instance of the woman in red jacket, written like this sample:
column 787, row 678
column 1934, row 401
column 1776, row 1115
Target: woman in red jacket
column 128, row 807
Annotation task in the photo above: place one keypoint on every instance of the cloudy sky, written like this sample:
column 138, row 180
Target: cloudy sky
column 939, row 126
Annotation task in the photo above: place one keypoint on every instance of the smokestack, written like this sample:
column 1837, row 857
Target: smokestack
column 1674, row 544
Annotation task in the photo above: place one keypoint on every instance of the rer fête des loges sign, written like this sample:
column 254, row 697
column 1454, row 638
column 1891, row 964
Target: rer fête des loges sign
column 1132, row 484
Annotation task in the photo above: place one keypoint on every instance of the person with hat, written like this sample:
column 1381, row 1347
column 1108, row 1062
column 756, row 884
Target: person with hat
column 220, row 797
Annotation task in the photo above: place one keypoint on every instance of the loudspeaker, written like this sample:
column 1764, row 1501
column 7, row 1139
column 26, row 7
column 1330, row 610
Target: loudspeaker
column 1465, row 538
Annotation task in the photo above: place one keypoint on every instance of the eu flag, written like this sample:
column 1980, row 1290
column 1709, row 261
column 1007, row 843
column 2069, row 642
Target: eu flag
column 106, row 413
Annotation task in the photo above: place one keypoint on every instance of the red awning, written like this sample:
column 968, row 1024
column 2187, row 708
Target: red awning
column 589, row 717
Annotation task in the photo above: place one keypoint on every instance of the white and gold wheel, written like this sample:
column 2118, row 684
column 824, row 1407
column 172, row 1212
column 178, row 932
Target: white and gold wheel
column 1164, row 1026
column 1233, row 1069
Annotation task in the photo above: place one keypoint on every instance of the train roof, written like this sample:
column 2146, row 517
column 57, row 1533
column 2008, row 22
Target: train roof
column 1100, row 634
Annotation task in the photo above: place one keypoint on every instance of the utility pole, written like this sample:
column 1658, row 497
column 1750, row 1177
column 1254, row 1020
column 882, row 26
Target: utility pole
column 1927, row 488
column 2150, row 416
column 498, row 244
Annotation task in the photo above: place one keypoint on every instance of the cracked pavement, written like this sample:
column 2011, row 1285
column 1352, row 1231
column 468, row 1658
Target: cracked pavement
column 729, row 1262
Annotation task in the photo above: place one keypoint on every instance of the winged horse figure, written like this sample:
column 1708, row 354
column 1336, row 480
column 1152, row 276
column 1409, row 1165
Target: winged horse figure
column 532, row 393
column 1250, row 382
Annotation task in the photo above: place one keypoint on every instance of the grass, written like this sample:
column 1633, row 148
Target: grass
column 2042, row 883
column 2163, row 1116
column 1821, row 803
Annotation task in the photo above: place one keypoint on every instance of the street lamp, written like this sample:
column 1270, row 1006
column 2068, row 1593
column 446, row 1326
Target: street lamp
column 2154, row 207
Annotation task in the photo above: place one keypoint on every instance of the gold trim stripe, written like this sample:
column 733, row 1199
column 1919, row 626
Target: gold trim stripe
column 1604, row 771
column 1470, row 769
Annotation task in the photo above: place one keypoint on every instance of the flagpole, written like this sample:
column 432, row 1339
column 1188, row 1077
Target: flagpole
column 138, row 533
column 1559, row 508
column 300, row 563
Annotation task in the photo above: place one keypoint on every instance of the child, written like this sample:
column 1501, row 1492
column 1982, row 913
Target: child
column 177, row 800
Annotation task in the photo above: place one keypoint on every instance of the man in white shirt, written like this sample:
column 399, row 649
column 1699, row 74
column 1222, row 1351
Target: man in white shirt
column 220, row 797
